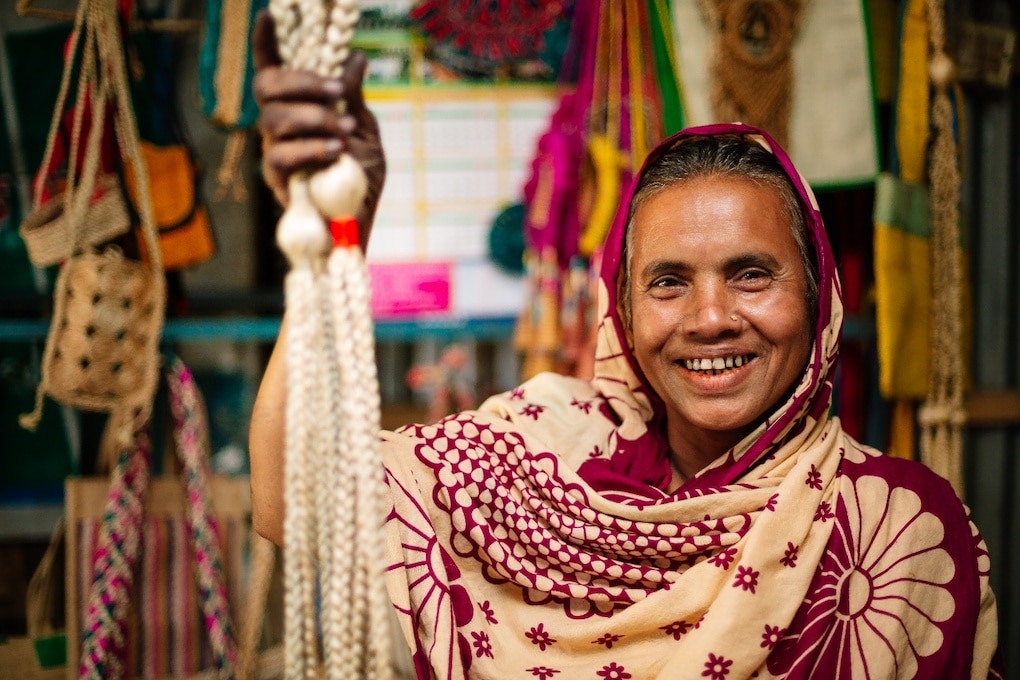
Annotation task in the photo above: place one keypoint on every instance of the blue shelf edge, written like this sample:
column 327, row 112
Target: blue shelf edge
column 265, row 329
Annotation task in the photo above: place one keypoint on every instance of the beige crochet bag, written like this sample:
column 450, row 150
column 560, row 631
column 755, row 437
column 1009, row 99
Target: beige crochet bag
column 106, row 325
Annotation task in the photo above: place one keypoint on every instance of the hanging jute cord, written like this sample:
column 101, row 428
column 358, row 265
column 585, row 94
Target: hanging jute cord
column 334, row 487
column 942, row 415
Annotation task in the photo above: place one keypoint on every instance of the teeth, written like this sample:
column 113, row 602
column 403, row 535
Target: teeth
column 716, row 364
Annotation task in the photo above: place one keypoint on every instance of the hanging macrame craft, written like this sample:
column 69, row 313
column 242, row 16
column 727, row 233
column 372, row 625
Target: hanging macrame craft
column 942, row 416
column 752, row 65
column 597, row 137
column 101, row 352
column 551, row 223
column 334, row 488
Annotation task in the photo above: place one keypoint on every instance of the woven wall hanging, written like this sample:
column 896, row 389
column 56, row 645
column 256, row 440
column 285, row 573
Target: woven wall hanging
column 752, row 62
column 815, row 51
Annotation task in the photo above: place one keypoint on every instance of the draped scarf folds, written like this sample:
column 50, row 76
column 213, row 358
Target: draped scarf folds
column 533, row 537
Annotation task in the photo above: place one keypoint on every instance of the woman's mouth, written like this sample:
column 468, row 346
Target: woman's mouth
column 716, row 365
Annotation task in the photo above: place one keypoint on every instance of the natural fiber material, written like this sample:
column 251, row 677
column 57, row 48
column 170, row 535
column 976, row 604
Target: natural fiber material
column 116, row 555
column 751, row 64
column 50, row 236
column 225, row 84
column 191, row 438
column 942, row 415
column 334, row 490
column 101, row 352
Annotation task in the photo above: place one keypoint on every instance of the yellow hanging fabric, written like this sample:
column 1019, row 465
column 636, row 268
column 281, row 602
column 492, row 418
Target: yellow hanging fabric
column 604, row 145
column 902, row 286
column 902, row 242
column 912, row 127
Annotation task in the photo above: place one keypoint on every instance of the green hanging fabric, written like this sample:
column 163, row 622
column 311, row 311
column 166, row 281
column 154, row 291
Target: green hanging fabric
column 661, row 24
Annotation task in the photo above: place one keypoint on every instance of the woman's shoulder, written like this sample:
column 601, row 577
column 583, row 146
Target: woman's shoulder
column 907, row 482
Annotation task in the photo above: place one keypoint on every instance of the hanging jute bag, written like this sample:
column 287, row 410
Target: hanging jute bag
column 101, row 352
column 155, row 568
column 157, row 565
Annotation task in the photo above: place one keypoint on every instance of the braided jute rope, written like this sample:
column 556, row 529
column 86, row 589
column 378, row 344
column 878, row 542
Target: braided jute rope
column 191, row 438
column 117, row 550
column 942, row 415
column 334, row 487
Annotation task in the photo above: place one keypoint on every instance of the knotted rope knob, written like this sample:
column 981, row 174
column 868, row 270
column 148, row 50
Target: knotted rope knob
column 301, row 233
column 339, row 190
column 934, row 415
column 941, row 70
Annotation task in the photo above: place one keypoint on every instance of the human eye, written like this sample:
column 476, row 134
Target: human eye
column 665, row 285
column 753, row 278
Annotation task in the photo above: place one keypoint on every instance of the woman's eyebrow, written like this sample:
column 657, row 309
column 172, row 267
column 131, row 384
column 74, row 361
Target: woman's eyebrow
column 756, row 259
column 665, row 266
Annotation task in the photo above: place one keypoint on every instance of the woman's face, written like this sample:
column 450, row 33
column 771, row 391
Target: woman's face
column 720, row 321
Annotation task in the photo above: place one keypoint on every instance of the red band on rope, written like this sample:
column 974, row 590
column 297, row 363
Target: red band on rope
column 344, row 231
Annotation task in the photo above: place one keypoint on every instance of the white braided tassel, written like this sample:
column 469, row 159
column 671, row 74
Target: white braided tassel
column 334, row 487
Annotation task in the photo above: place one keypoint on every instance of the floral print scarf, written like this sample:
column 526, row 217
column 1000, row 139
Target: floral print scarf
column 533, row 538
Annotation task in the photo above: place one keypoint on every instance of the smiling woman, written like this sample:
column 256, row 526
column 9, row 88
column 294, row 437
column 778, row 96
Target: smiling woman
column 693, row 510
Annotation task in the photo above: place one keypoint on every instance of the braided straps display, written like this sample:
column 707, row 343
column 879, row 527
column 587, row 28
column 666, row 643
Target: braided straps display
column 334, row 487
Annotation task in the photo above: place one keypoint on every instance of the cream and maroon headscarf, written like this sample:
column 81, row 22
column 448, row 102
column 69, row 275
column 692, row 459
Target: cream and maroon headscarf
column 533, row 538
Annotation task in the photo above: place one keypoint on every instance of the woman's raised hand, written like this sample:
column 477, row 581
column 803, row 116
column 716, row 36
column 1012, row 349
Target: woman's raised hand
column 301, row 127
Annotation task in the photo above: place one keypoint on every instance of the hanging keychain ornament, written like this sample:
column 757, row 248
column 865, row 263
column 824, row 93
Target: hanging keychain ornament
column 334, row 489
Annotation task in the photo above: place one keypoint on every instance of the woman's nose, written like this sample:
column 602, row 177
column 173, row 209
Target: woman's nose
column 712, row 313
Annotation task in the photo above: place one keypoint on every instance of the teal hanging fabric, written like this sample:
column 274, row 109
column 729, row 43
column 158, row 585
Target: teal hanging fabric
column 225, row 64
column 225, row 72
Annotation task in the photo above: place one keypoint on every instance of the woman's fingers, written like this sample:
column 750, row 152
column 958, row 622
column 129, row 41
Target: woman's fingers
column 284, row 158
column 276, row 83
column 265, row 50
column 285, row 120
column 300, row 123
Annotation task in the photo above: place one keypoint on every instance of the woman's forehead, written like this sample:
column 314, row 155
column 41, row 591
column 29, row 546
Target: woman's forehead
column 716, row 211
